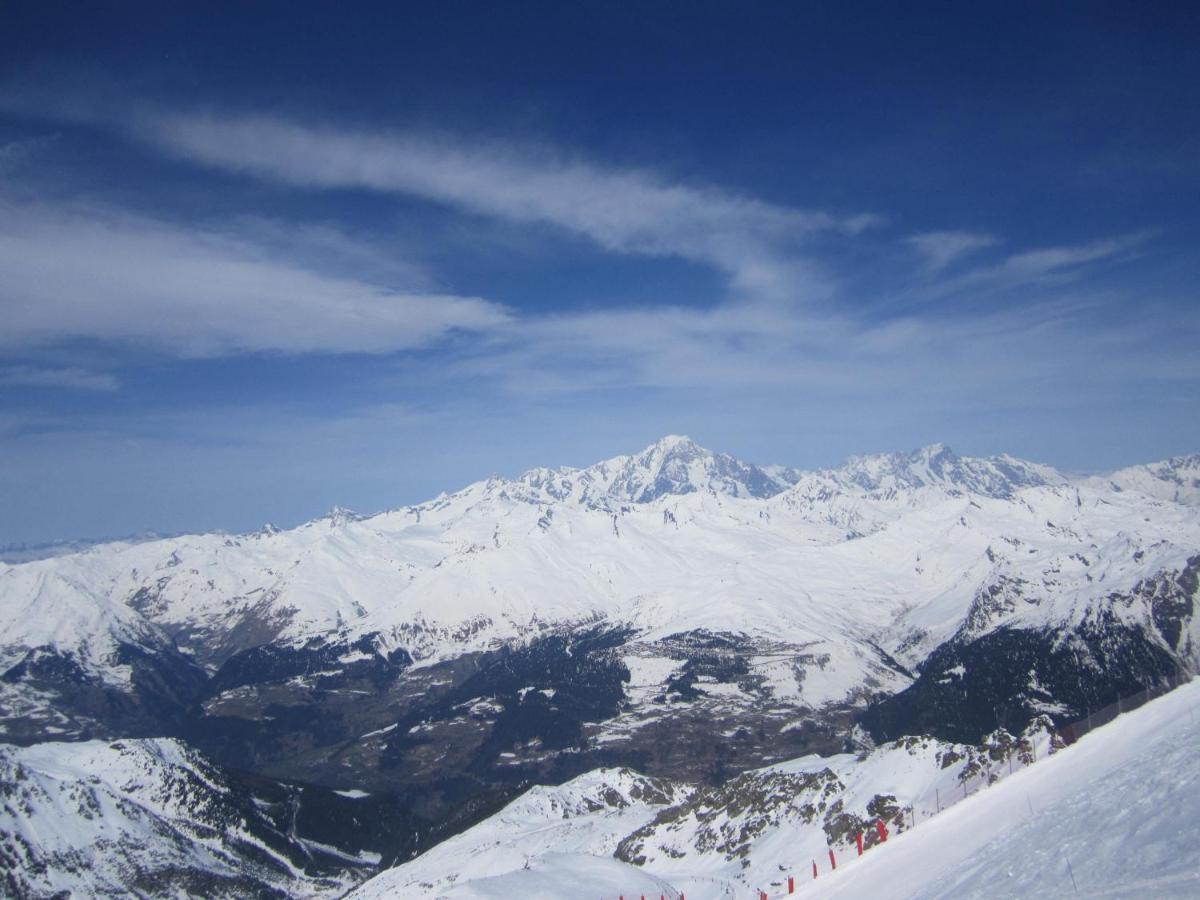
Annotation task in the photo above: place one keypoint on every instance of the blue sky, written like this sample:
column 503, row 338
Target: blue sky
column 258, row 259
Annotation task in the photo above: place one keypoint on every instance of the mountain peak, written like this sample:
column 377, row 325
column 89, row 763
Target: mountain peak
column 936, row 450
column 340, row 515
column 675, row 442
column 675, row 464
column 673, row 446
column 672, row 465
column 1176, row 479
column 937, row 466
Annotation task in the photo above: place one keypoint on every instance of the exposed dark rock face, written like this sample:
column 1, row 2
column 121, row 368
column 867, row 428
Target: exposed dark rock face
column 1172, row 598
column 359, row 659
column 734, row 814
column 164, row 684
column 1006, row 677
column 984, row 679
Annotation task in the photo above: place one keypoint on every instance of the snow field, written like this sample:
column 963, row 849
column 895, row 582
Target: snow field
column 1113, row 815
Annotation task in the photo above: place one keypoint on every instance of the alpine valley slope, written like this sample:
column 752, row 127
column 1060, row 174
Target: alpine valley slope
column 1112, row 816
column 733, row 839
column 1108, row 816
column 151, row 818
column 676, row 611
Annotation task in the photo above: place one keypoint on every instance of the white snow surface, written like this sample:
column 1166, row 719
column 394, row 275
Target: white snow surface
column 91, row 818
column 1116, row 812
column 583, row 819
column 1176, row 479
column 668, row 540
column 557, row 876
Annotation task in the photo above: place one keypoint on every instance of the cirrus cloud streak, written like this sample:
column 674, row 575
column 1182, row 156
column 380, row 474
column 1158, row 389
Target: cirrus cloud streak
column 98, row 273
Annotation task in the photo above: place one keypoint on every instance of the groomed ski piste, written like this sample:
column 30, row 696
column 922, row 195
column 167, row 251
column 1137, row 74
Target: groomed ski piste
column 1114, row 815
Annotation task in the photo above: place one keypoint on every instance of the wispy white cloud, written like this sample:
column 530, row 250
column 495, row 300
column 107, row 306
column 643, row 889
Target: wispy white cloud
column 624, row 210
column 1023, row 278
column 984, row 360
column 760, row 246
column 1039, row 267
column 111, row 276
column 98, row 273
column 69, row 378
column 17, row 153
column 941, row 248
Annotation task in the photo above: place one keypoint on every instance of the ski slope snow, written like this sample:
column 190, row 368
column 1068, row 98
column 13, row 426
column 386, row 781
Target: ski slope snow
column 1114, row 815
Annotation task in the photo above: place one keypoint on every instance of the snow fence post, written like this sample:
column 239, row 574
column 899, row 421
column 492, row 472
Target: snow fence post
column 832, row 859
column 814, row 869
column 791, row 885
column 858, row 841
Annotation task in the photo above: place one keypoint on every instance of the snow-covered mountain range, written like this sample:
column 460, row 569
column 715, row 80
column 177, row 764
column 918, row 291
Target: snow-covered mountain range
column 676, row 611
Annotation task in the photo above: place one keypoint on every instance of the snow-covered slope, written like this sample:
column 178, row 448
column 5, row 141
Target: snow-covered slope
column 554, row 876
column 1111, row 816
column 584, row 817
column 747, row 833
column 1003, row 819
column 1176, row 479
column 146, row 817
column 780, row 819
column 671, row 466
column 75, row 662
column 868, row 492
column 43, row 606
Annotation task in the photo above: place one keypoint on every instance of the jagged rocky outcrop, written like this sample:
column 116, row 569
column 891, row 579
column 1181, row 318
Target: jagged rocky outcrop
column 824, row 802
